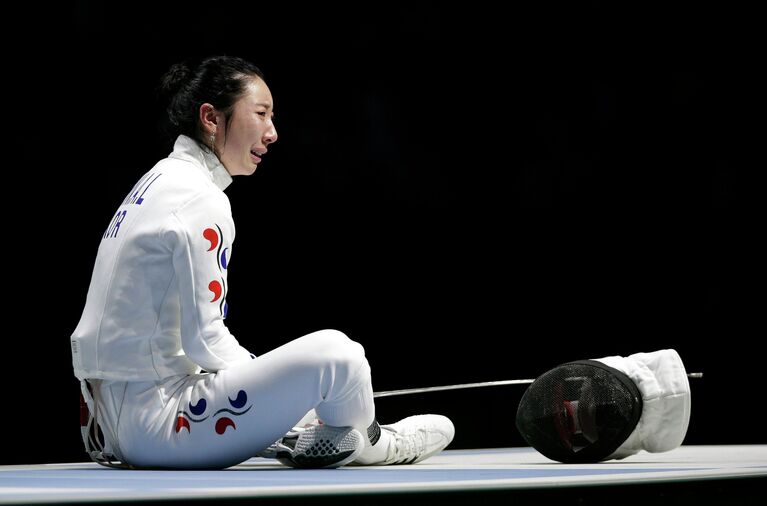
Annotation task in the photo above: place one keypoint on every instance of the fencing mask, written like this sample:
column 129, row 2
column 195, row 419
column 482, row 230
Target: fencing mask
column 593, row 410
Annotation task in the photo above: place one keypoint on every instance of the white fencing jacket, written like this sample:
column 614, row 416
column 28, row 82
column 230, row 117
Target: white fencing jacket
column 157, row 298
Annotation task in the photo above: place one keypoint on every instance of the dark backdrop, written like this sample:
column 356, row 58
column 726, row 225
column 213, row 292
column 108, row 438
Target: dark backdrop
column 473, row 194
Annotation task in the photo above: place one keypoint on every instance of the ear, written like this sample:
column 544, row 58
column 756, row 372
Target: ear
column 208, row 118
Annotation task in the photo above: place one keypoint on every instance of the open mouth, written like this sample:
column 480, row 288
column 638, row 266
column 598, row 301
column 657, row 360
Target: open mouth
column 254, row 157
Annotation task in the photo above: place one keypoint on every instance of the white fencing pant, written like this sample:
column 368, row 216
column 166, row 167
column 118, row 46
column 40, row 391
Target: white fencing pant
column 216, row 420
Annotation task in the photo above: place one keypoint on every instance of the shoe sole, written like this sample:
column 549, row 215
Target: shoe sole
column 324, row 447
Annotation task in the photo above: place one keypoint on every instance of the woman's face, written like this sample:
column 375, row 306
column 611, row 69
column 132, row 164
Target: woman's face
column 250, row 131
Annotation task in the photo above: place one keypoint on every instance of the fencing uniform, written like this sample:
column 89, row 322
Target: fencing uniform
column 171, row 385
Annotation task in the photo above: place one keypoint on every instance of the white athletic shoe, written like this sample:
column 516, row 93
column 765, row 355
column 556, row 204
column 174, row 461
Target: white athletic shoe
column 317, row 446
column 416, row 438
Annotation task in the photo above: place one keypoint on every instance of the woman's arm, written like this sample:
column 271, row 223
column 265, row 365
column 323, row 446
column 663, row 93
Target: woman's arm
column 202, row 233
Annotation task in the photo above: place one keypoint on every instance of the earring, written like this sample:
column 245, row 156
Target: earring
column 213, row 141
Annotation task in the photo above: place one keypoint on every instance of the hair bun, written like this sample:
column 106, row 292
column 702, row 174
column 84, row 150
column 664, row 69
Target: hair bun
column 174, row 79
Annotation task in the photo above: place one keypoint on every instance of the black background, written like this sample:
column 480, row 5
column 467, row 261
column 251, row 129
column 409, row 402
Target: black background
column 473, row 193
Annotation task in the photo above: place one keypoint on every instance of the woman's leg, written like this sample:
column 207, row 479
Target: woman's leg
column 220, row 419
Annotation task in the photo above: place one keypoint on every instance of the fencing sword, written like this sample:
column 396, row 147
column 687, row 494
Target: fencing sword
column 406, row 391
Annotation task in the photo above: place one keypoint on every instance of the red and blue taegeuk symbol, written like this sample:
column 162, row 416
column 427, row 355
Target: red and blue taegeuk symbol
column 197, row 410
column 217, row 287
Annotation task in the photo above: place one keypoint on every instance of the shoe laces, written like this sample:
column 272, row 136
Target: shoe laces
column 405, row 447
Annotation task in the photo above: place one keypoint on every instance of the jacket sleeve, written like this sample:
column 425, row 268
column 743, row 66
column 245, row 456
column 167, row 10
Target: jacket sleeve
column 201, row 235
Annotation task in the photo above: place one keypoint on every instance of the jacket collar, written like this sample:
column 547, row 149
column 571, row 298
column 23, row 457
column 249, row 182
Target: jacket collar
column 203, row 158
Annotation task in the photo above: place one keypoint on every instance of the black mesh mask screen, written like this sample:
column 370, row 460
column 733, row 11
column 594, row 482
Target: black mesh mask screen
column 579, row 412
